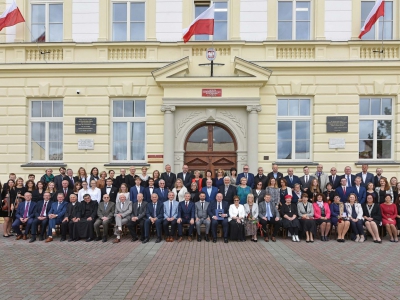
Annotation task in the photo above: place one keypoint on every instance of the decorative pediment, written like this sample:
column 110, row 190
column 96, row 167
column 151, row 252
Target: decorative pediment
column 197, row 162
column 222, row 162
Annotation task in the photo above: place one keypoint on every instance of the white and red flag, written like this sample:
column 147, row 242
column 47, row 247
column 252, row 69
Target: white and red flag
column 203, row 24
column 11, row 16
column 377, row 11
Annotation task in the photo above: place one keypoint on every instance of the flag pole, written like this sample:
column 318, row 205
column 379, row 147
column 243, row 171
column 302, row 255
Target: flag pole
column 383, row 26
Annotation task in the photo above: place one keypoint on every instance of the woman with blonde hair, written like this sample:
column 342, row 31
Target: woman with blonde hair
column 339, row 218
column 251, row 217
column 145, row 177
column 219, row 180
column 101, row 182
column 383, row 189
column 82, row 175
column 196, row 179
column 179, row 190
column 273, row 190
column 123, row 189
column 236, row 220
column 355, row 213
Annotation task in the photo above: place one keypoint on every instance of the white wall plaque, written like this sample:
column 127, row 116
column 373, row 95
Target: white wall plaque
column 337, row 143
column 85, row 144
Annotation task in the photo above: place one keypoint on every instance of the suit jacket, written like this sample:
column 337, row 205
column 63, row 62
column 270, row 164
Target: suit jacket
column 343, row 197
column 169, row 180
column 376, row 180
column 375, row 212
column 250, row 179
column 21, row 210
column 130, row 180
column 161, row 196
column 109, row 212
column 229, row 194
column 120, row 180
column 369, row 178
column 186, row 213
column 259, row 198
column 358, row 208
column 39, row 206
column 303, row 183
column 113, row 193
column 61, row 209
column 73, row 211
column 72, row 181
column 278, row 176
column 134, row 192
column 324, row 179
column 188, row 179
column 147, row 193
column 213, row 206
column 201, row 213
column 58, row 181
column 309, row 211
column 66, row 196
column 93, row 204
column 295, row 180
column 254, row 210
column 159, row 210
column 211, row 197
column 262, row 210
column 140, row 214
column 337, row 181
column 317, row 211
column 352, row 178
column 174, row 212
column 126, row 209
column 263, row 179
column 361, row 195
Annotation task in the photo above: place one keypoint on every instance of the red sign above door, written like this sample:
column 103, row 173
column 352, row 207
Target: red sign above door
column 211, row 92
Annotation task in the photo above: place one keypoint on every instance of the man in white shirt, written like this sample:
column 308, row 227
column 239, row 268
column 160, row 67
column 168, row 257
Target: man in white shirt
column 349, row 177
column 366, row 177
column 202, row 216
column 170, row 217
column 306, row 179
column 323, row 178
column 359, row 190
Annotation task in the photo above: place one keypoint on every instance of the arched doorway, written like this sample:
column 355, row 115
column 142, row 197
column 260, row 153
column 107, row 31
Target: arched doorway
column 210, row 147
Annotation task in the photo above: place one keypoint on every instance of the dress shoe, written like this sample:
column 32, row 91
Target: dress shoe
column 48, row 240
column 119, row 231
column 104, row 239
column 362, row 239
column 322, row 238
column 158, row 240
column 70, row 240
column 307, row 241
column 146, row 240
column 63, row 239
column 327, row 239
column 214, row 240
column 142, row 239
column 41, row 238
column 19, row 236
column 273, row 239
column 134, row 239
column 24, row 237
column 293, row 238
column 180, row 239
column 98, row 239
column 189, row 238
column 255, row 241
column 89, row 240
column 116, row 241
column 199, row 239
column 32, row 240
column 226, row 241
column 266, row 239
column 207, row 238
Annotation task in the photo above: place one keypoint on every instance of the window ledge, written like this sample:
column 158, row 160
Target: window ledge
column 41, row 165
column 377, row 163
column 127, row 164
column 295, row 163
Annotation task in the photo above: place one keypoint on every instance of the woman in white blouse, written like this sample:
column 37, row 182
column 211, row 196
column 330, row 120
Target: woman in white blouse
column 83, row 191
column 355, row 213
column 251, row 217
column 123, row 190
column 94, row 192
column 236, row 220
column 179, row 190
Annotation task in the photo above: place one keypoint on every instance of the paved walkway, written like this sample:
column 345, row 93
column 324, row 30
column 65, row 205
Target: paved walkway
column 281, row 270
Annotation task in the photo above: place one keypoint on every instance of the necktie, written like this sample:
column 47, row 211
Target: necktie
column 344, row 190
column 105, row 206
column 122, row 205
column 139, row 207
column 186, row 204
column 154, row 208
column 333, row 178
column 219, row 206
column 170, row 209
column 65, row 192
column 58, row 205
column 43, row 209
column 72, row 179
column 268, row 211
column 226, row 189
column 245, row 175
column 348, row 181
column 26, row 210
column 202, row 205
column 162, row 192
column 291, row 179
column 306, row 178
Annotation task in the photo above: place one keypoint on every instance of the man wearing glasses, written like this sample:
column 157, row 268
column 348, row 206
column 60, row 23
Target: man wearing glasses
column 247, row 175
column 334, row 179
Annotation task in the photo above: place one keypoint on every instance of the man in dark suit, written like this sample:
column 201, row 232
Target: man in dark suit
column 291, row 179
column 306, row 180
column 275, row 174
column 168, row 177
column 105, row 214
column 41, row 217
column 84, row 226
column 343, row 191
column 260, row 177
column 227, row 190
column 149, row 190
column 154, row 215
column 72, row 214
column 269, row 214
column 138, row 217
column 71, row 178
column 25, row 215
column 247, row 175
column 186, row 176
column 65, row 189
column 359, row 190
column 378, row 177
column 349, row 177
column 122, row 178
column 186, row 216
column 334, row 179
column 161, row 192
column 59, row 178
column 131, row 177
column 210, row 191
column 366, row 177
column 212, row 207
column 136, row 189
column 109, row 190
column 56, row 215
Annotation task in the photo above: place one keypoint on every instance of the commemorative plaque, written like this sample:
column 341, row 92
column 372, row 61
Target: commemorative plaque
column 85, row 125
column 337, row 124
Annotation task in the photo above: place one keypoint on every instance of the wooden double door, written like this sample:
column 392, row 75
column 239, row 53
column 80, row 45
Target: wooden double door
column 210, row 147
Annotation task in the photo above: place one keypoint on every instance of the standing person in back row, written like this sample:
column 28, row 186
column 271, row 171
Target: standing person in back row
column 275, row 174
column 249, row 177
column 168, row 177
column 306, row 179
column 186, row 176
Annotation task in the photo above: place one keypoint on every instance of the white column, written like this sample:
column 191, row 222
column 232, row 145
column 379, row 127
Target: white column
column 169, row 134
column 252, row 137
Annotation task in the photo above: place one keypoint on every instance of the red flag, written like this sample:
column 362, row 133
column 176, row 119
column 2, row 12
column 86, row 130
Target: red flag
column 377, row 11
column 11, row 16
column 203, row 24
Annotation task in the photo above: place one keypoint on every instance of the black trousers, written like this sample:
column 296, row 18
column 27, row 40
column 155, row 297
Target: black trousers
column 276, row 224
column 70, row 227
column 132, row 227
column 166, row 224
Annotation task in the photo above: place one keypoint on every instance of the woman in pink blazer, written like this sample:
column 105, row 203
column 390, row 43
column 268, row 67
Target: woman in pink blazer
column 322, row 216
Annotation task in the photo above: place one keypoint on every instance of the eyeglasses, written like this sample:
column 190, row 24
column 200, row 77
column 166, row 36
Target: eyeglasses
column 236, row 200
column 245, row 168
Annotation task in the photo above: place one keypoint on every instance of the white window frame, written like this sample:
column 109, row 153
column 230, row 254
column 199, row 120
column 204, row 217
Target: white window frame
column 128, row 15
column 128, row 131
column 294, row 20
column 45, row 120
column 293, row 119
column 211, row 2
column 47, row 17
column 377, row 28
column 375, row 118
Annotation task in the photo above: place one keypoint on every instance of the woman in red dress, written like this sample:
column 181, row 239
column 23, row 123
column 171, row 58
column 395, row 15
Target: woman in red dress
column 389, row 214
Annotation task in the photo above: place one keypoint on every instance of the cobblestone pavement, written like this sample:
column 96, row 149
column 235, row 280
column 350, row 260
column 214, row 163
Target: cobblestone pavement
column 193, row 270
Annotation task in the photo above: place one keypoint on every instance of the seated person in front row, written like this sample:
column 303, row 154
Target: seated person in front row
column 200, row 213
column 355, row 213
column 212, row 207
column 322, row 216
column 122, row 213
column 41, row 217
column 25, row 215
column 306, row 218
column 137, row 217
column 56, row 215
column 268, row 214
column 372, row 218
column 185, row 216
column 170, row 217
column 290, row 217
column 154, row 215
column 71, row 218
column 84, row 226
column 339, row 218
column 105, row 213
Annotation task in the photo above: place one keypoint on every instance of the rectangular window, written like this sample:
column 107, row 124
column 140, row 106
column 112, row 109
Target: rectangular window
column 129, row 130
column 294, row 129
column 294, row 20
column 220, row 22
column 376, row 31
column 47, row 22
column 46, row 121
column 375, row 137
column 128, row 22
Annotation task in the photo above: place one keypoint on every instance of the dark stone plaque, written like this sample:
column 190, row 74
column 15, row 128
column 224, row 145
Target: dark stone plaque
column 85, row 125
column 337, row 124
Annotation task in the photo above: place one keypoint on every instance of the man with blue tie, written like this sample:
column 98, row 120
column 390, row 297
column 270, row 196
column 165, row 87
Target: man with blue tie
column 215, row 220
column 155, row 215
column 136, row 189
column 185, row 216
column 210, row 191
column 170, row 217
column 291, row 179
column 25, row 215
column 247, row 175
column 269, row 214
column 349, row 177
column 162, row 191
column 41, row 217
column 56, row 215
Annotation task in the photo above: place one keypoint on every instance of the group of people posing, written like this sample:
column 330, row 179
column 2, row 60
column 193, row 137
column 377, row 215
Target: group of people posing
column 245, row 205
